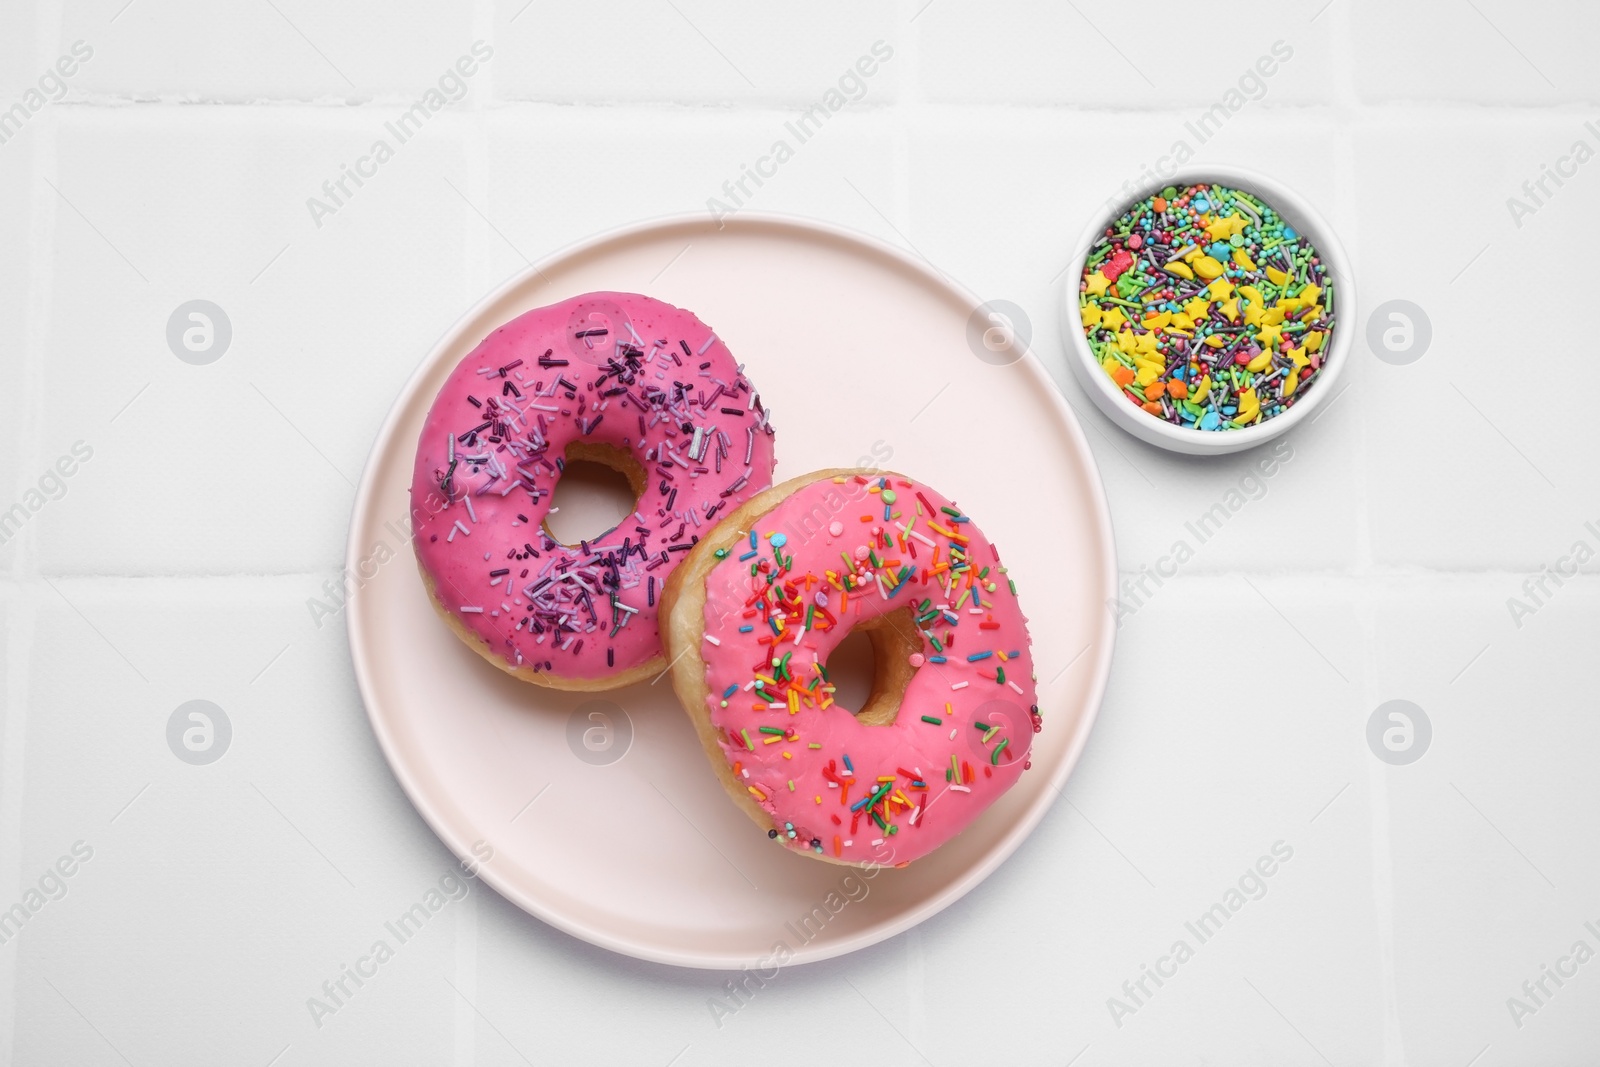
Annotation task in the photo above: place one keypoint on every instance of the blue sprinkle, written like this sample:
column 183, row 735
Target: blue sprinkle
column 779, row 540
column 732, row 689
column 747, row 555
column 847, row 766
column 752, row 539
column 976, row 656
column 746, row 628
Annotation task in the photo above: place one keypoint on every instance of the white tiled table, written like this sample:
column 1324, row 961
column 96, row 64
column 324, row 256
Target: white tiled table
column 178, row 560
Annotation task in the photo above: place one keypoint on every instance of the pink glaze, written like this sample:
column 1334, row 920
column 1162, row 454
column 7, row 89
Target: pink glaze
column 913, row 540
column 607, row 368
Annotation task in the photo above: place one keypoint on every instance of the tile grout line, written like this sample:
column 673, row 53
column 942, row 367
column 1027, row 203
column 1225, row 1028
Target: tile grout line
column 1349, row 112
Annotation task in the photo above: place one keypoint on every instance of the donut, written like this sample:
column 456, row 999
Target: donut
column 614, row 378
column 753, row 614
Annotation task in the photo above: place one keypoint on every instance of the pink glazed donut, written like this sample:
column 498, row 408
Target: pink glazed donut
column 755, row 611
column 616, row 378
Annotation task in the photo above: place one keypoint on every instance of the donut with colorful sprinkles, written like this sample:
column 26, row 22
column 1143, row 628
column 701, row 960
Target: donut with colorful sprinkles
column 749, row 621
column 612, row 378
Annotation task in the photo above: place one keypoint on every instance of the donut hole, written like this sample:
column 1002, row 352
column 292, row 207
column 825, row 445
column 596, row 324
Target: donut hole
column 852, row 669
column 599, row 487
column 871, row 667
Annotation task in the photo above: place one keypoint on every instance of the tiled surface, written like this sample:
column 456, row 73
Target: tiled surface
column 1395, row 551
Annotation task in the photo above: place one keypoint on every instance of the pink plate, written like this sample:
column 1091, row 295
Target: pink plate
column 601, row 813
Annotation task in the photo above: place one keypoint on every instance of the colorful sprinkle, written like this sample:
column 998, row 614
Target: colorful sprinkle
column 1206, row 309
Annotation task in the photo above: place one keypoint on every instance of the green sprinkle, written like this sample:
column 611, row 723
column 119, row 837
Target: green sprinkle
column 771, row 730
column 746, row 735
column 994, row 757
column 931, row 719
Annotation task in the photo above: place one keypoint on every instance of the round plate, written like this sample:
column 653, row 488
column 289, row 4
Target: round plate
column 599, row 810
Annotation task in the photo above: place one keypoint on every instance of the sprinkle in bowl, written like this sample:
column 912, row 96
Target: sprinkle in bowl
column 1209, row 311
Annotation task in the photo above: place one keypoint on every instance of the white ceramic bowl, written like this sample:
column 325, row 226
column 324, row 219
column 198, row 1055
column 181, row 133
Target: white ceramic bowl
column 1299, row 214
